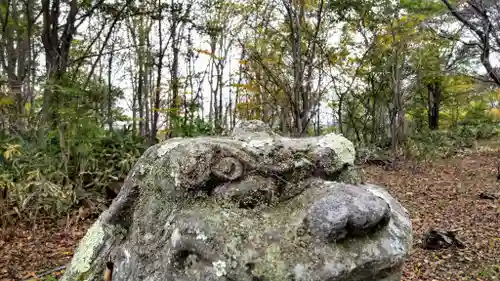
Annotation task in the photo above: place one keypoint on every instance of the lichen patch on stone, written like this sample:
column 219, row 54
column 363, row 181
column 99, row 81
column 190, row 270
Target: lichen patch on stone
column 176, row 237
column 220, row 268
column 201, row 236
column 342, row 147
column 86, row 250
column 166, row 147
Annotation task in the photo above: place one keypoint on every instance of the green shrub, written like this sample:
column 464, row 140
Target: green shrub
column 52, row 175
column 445, row 143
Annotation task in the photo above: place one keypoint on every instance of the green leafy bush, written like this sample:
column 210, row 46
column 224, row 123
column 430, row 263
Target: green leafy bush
column 445, row 143
column 52, row 175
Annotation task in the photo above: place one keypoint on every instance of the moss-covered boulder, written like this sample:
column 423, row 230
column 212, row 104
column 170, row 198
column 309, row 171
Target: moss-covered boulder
column 251, row 206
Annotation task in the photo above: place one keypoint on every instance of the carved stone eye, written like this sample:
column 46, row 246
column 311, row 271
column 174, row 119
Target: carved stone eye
column 228, row 168
column 248, row 193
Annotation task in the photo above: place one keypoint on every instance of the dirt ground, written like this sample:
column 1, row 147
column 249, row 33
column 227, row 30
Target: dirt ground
column 442, row 194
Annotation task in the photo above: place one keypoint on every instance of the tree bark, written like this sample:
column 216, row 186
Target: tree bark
column 56, row 53
column 434, row 91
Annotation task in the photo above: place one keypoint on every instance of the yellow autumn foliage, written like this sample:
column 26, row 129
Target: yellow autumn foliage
column 11, row 150
column 495, row 113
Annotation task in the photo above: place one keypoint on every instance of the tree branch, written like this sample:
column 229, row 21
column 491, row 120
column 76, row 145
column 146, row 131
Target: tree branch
column 484, row 36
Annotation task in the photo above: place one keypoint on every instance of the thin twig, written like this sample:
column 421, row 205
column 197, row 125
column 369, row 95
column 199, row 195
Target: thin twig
column 59, row 268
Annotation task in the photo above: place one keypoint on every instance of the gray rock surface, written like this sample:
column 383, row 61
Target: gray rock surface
column 250, row 206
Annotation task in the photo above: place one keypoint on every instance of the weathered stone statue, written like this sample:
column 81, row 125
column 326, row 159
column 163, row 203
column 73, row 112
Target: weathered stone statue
column 253, row 206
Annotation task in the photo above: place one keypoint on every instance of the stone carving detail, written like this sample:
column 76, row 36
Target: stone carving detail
column 250, row 206
column 228, row 168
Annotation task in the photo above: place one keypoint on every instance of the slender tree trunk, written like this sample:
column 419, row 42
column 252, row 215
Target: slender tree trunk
column 174, row 73
column 159, row 68
column 110, row 93
column 147, row 90
column 140, row 97
column 433, row 104
column 56, row 53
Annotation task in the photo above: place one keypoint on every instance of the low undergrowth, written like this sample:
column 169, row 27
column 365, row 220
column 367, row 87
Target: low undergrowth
column 53, row 175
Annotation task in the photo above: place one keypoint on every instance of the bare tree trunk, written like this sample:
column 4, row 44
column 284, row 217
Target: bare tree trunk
column 175, row 103
column 159, row 68
column 213, row 113
column 238, row 90
column 109, row 114
column 300, row 96
column 140, row 96
column 147, row 90
column 15, row 54
column 56, row 52
column 434, row 92
column 220, row 83
column 135, row 91
column 317, row 128
column 140, row 30
column 396, row 112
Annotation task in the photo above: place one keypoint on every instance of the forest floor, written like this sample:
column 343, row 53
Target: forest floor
column 441, row 194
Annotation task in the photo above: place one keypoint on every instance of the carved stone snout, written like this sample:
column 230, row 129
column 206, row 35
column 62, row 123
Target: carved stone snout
column 346, row 211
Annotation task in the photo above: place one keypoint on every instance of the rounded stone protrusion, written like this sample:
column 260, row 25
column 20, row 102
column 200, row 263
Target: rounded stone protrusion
column 252, row 129
column 346, row 211
column 327, row 220
column 252, row 126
